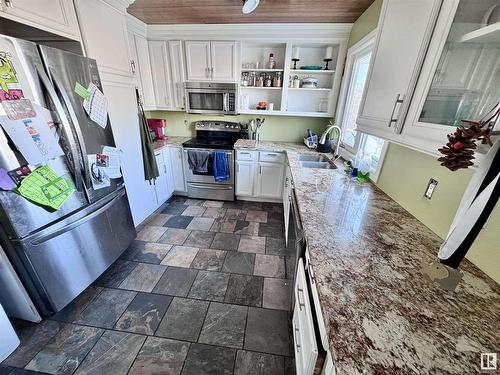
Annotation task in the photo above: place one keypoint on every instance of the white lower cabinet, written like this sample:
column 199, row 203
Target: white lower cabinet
column 177, row 169
column 258, row 178
column 306, row 349
column 245, row 172
column 270, row 180
column 161, row 183
column 312, row 354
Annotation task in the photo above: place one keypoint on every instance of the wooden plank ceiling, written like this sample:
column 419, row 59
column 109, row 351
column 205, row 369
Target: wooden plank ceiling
column 229, row 11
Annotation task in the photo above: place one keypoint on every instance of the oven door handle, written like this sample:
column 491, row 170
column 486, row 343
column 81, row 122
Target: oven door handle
column 203, row 149
column 219, row 187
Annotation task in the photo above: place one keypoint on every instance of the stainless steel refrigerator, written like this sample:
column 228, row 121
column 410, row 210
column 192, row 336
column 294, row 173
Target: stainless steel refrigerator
column 58, row 254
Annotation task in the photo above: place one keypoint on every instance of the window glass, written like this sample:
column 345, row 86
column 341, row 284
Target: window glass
column 372, row 150
column 358, row 79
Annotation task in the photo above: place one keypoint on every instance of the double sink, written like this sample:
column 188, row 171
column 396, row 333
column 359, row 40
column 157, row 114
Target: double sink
column 315, row 161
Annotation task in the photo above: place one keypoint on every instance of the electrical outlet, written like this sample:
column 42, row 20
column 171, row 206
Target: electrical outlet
column 431, row 186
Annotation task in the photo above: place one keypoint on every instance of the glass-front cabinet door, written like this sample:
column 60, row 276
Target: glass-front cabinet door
column 460, row 78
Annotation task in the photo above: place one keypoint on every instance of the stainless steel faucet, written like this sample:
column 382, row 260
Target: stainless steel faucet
column 325, row 133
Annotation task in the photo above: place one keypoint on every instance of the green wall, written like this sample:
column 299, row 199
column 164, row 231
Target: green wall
column 405, row 174
column 275, row 128
column 365, row 23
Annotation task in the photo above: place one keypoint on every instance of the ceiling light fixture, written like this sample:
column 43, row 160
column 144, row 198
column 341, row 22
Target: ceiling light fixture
column 249, row 6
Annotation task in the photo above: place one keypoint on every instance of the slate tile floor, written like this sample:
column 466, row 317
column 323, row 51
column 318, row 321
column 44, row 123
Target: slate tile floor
column 204, row 289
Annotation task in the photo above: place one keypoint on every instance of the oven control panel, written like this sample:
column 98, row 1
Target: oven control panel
column 225, row 126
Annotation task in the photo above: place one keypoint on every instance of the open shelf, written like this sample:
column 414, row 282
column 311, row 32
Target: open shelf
column 260, row 88
column 309, row 89
column 261, row 70
column 285, row 113
column 306, row 71
column 487, row 34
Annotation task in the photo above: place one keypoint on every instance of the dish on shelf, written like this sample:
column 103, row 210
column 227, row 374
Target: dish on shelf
column 309, row 83
column 310, row 67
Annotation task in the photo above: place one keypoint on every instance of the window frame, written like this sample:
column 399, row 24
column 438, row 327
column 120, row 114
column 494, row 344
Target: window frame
column 359, row 49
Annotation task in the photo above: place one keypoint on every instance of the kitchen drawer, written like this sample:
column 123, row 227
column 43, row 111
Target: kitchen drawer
column 273, row 157
column 305, row 346
column 246, row 155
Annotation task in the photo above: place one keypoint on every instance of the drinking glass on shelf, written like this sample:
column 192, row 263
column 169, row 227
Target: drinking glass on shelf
column 251, row 78
column 323, row 105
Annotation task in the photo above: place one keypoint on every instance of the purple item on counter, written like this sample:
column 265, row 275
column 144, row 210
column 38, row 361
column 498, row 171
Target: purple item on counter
column 6, row 182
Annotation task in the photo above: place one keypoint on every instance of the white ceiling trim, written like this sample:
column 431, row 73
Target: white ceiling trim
column 254, row 31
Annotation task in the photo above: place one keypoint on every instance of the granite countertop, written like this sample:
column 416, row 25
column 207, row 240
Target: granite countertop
column 381, row 312
column 171, row 141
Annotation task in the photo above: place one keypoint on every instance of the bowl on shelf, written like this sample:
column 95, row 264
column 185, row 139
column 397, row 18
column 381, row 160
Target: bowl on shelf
column 310, row 67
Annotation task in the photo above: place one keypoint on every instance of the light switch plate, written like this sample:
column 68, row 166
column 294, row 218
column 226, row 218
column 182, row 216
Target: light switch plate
column 431, row 186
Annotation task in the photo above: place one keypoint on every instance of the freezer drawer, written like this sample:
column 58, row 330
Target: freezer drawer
column 64, row 261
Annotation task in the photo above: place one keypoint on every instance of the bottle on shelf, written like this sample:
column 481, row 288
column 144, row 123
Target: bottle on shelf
column 271, row 63
column 268, row 82
column 277, row 79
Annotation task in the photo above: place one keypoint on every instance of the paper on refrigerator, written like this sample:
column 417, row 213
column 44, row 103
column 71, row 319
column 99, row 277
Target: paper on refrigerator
column 96, row 106
column 98, row 174
column 113, row 169
column 31, row 132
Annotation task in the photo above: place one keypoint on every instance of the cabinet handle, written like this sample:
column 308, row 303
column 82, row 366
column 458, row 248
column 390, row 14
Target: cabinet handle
column 311, row 273
column 238, row 167
column 301, row 304
column 9, row 3
column 297, row 346
column 212, row 73
column 132, row 65
column 398, row 101
column 260, row 169
column 271, row 154
column 244, row 153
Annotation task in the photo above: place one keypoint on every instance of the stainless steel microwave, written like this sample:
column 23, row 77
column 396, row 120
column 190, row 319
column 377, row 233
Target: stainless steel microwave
column 212, row 98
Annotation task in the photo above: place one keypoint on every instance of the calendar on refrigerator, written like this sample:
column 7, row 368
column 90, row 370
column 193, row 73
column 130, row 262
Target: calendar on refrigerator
column 96, row 106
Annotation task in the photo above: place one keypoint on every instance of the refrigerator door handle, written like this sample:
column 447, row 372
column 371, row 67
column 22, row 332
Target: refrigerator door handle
column 46, row 237
column 76, row 127
column 66, row 126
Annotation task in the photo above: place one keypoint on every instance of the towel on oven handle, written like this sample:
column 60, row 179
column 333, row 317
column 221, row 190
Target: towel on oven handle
column 198, row 160
column 220, row 166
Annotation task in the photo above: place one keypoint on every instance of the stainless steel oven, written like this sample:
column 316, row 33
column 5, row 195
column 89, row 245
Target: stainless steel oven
column 212, row 98
column 203, row 185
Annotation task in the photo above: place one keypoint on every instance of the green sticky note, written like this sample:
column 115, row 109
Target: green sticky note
column 82, row 91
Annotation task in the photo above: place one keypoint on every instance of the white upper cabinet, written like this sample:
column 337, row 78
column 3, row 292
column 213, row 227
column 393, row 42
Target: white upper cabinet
column 459, row 79
column 57, row 17
column 104, row 35
column 198, row 60
column 210, row 61
column 177, row 73
column 161, row 72
column 141, row 68
column 223, row 57
column 443, row 70
column 404, row 30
